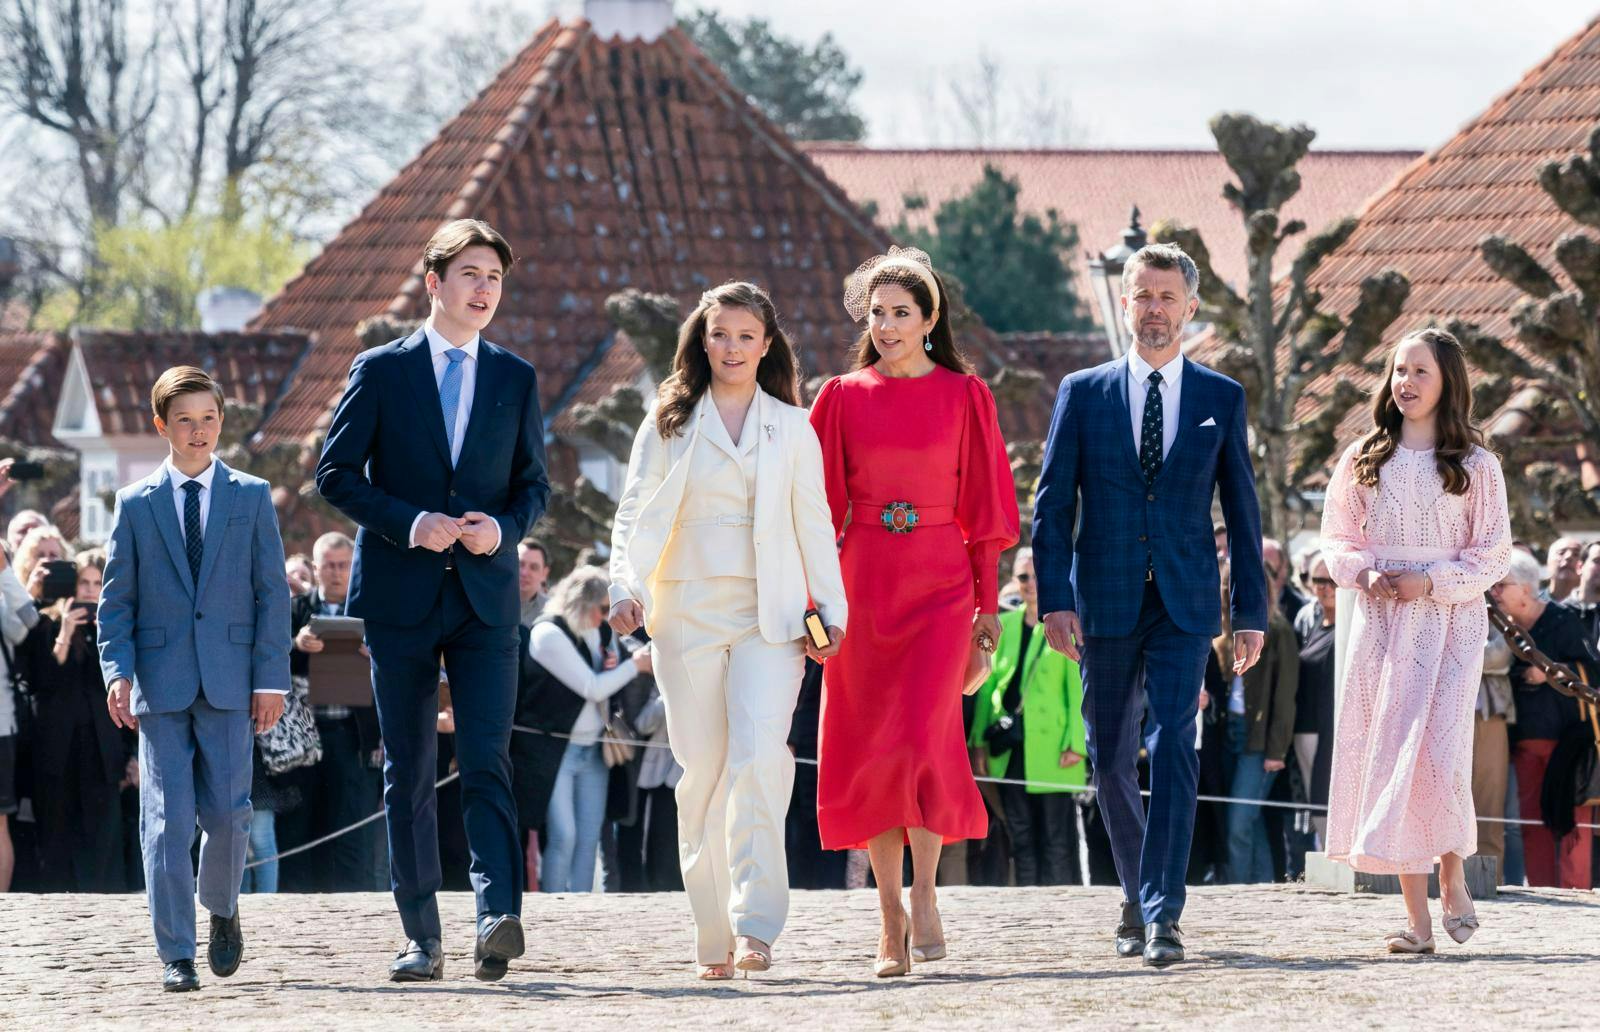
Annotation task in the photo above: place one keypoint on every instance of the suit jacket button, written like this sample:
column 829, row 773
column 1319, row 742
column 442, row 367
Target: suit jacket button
column 452, row 492
column 1150, row 498
column 199, row 616
column 1142, row 537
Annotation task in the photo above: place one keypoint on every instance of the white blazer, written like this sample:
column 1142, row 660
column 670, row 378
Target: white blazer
column 796, row 556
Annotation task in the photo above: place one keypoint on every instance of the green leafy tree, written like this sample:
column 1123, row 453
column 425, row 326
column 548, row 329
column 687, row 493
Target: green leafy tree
column 1278, row 343
column 149, row 276
column 809, row 91
column 1012, row 266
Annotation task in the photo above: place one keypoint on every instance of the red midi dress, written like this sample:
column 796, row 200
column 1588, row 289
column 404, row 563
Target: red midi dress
column 892, row 748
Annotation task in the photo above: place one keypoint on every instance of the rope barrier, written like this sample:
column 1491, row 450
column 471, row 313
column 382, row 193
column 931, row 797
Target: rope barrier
column 812, row 762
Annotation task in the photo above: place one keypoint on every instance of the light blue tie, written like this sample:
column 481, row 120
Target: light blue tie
column 450, row 396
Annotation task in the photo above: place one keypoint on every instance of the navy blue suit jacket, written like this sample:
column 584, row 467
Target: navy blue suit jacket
column 386, row 459
column 1096, row 520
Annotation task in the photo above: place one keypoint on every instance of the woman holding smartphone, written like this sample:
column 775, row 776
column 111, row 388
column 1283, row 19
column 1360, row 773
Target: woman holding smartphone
column 80, row 759
column 721, row 537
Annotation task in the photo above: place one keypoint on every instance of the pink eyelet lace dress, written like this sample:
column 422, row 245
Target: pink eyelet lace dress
column 1401, row 791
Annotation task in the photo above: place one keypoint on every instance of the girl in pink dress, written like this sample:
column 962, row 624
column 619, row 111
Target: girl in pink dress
column 1416, row 522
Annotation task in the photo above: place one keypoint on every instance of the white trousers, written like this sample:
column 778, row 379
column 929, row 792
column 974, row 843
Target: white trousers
column 730, row 696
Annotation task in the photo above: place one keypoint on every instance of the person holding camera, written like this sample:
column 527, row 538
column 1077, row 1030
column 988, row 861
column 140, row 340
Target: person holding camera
column 80, row 759
column 1028, row 727
column 38, row 548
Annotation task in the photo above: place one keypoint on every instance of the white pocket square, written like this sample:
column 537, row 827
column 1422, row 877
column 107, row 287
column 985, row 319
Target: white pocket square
column 1209, row 422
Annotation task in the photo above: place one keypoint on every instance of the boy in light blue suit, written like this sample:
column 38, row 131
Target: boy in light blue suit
column 194, row 648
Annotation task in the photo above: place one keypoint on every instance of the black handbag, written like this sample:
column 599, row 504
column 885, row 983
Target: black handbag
column 1005, row 734
column 293, row 741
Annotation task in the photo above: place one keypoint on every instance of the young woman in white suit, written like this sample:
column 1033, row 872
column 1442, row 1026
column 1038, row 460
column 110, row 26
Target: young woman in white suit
column 721, row 541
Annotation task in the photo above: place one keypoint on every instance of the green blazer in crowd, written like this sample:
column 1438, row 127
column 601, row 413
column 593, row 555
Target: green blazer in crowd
column 1052, row 709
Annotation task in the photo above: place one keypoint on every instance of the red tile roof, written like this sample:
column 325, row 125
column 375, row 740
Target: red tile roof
column 1483, row 180
column 617, row 364
column 32, row 368
column 1094, row 189
column 252, row 367
column 606, row 164
column 1053, row 356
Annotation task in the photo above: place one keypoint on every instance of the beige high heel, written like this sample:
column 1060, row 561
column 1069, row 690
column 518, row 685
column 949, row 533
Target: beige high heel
column 934, row 950
column 715, row 972
column 890, row 967
column 753, row 954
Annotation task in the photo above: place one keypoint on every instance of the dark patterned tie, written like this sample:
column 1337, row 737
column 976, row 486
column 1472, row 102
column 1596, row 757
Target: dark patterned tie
column 1150, row 435
column 193, row 543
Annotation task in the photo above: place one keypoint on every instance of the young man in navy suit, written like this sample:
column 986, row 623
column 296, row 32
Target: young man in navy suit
column 194, row 648
column 1137, row 448
column 436, row 451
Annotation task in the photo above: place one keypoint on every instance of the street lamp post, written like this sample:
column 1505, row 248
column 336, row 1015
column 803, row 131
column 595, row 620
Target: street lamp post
column 1105, row 275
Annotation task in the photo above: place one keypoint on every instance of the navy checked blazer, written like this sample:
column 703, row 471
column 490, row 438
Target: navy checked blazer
column 1097, row 525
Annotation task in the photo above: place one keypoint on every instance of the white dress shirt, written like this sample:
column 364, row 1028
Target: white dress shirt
column 554, row 651
column 437, row 346
column 1171, row 388
column 178, row 478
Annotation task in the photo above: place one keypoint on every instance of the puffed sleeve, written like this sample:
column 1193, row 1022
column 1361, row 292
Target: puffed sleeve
column 827, row 419
column 1486, row 553
column 986, row 495
column 1344, row 514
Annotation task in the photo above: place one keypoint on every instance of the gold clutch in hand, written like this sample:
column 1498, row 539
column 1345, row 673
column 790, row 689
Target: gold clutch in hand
column 980, row 664
column 816, row 631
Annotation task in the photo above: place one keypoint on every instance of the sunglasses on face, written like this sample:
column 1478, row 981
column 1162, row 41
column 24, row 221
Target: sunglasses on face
column 1322, row 582
column 1024, row 578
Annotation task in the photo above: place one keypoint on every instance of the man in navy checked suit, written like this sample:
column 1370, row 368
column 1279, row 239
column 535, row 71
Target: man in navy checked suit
column 1128, row 575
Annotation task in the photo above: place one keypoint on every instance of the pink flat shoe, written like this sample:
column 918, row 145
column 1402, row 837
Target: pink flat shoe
column 1407, row 942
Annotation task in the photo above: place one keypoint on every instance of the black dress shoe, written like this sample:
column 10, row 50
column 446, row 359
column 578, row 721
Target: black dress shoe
column 1130, row 931
column 499, row 941
column 1163, row 943
column 226, row 947
column 179, row 977
column 420, row 961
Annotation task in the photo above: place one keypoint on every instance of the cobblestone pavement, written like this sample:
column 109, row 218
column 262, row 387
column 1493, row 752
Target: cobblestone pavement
column 1265, row 957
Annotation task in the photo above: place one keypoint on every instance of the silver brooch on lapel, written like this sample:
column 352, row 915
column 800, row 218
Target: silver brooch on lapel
column 768, row 427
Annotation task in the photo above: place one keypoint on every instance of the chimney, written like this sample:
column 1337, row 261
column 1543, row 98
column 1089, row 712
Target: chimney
column 630, row 19
column 226, row 309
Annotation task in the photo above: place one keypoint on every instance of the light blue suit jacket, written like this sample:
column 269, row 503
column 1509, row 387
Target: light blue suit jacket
column 227, row 636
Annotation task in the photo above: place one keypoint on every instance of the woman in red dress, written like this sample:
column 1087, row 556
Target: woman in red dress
column 920, row 487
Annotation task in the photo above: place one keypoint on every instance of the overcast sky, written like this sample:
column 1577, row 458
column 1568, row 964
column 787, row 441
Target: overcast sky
column 1363, row 73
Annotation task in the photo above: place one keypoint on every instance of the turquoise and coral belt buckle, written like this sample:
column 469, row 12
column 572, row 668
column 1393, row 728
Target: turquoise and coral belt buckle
column 900, row 517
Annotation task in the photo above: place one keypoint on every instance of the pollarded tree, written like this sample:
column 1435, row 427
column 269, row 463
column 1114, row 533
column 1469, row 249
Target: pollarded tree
column 1558, row 325
column 1277, row 338
column 580, row 517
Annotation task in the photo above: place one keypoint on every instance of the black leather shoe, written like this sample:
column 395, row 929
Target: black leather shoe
column 226, row 947
column 419, row 962
column 1163, row 943
column 499, row 941
column 1130, row 931
column 179, row 977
